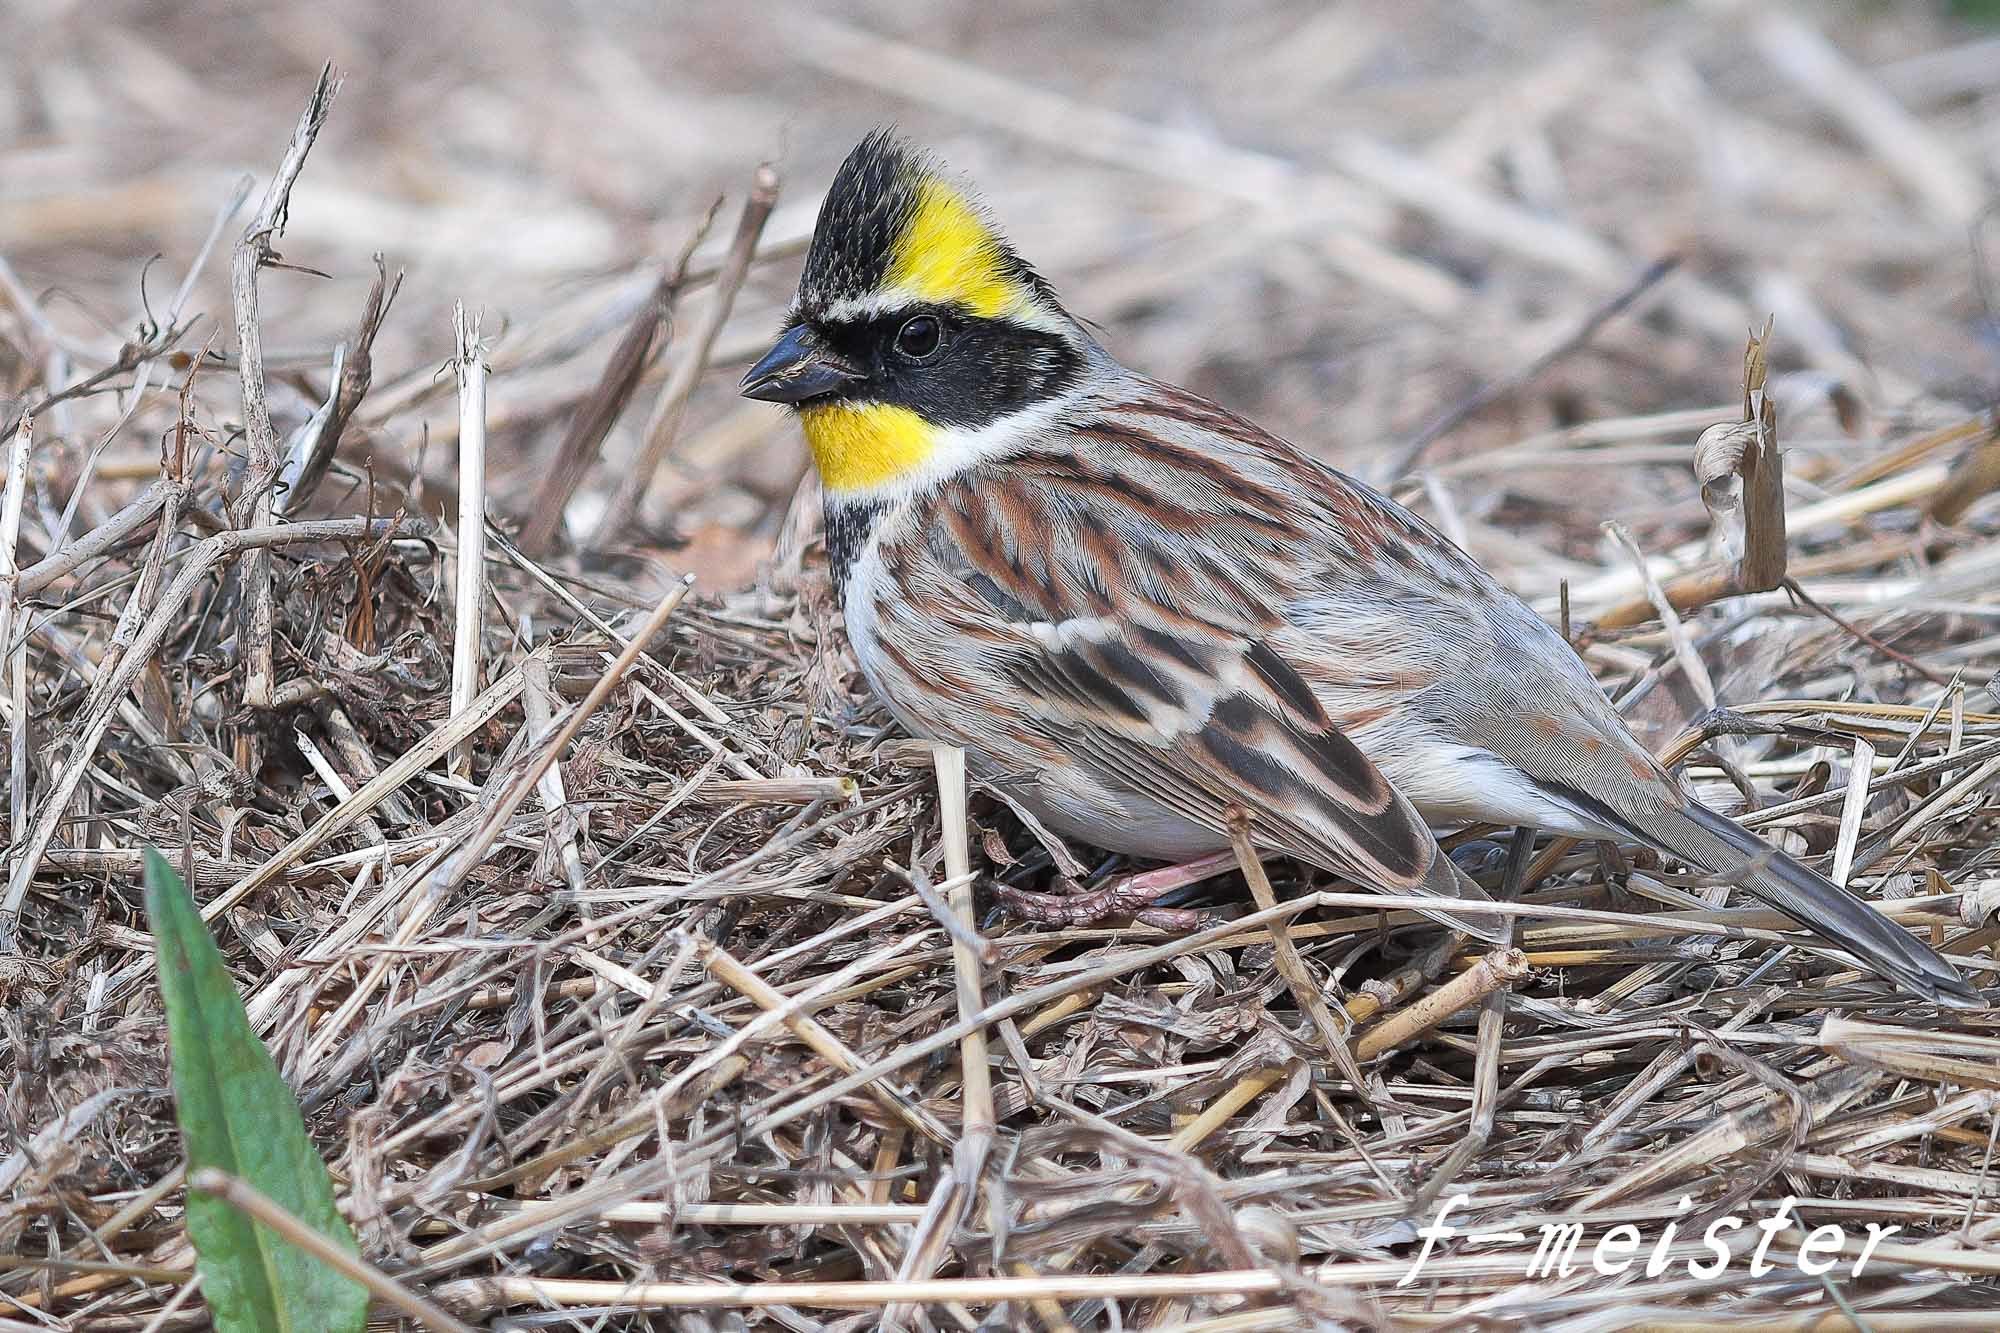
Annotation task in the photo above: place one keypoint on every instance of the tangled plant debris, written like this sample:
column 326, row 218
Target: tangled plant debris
column 642, row 970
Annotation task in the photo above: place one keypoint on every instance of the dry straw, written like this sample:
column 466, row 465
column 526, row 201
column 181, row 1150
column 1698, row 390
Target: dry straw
column 628, row 961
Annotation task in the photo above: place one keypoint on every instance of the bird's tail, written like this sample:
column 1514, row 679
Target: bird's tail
column 1725, row 848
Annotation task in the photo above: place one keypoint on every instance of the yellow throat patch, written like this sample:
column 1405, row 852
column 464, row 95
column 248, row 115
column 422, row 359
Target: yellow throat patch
column 860, row 446
column 949, row 255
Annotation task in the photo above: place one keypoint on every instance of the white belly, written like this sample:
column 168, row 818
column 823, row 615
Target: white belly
column 1453, row 785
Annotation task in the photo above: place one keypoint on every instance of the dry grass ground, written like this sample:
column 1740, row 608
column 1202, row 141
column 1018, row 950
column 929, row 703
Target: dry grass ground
column 617, row 969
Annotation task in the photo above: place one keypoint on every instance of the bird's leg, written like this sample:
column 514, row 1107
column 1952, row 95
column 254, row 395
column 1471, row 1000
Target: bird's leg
column 1611, row 864
column 1400, row 986
column 1127, row 895
column 1486, row 1062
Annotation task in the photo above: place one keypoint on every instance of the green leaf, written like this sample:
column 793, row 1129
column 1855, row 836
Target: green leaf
column 237, row 1115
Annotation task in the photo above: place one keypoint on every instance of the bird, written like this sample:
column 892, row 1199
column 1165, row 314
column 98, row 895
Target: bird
column 1152, row 623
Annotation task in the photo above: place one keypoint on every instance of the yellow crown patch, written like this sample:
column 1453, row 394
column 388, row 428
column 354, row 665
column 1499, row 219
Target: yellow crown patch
column 949, row 255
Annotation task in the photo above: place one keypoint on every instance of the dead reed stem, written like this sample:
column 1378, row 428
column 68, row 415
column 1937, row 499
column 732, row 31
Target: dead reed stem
column 253, row 252
column 469, row 601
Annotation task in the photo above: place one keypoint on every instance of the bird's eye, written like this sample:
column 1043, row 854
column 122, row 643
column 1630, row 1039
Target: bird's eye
column 920, row 337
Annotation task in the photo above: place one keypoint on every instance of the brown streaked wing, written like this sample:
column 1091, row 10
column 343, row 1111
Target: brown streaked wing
column 1305, row 787
column 1200, row 714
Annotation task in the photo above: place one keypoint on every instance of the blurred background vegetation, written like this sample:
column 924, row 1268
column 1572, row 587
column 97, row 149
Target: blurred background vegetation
column 1341, row 219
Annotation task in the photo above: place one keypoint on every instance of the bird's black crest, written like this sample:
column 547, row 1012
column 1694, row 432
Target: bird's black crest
column 872, row 199
column 867, row 206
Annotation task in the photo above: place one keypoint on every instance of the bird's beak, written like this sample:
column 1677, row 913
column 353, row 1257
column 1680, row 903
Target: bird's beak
column 798, row 369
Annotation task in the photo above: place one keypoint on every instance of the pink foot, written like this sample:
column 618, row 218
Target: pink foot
column 1128, row 895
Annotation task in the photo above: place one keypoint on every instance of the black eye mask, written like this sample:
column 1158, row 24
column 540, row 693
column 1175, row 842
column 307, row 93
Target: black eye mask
column 980, row 370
